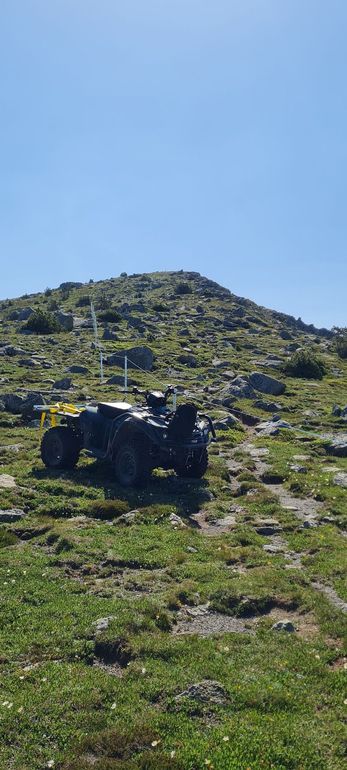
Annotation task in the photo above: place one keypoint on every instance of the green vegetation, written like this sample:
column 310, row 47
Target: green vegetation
column 304, row 363
column 42, row 322
column 341, row 341
column 111, row 315
column 115, row 603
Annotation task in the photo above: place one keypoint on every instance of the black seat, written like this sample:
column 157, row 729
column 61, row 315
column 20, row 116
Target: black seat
column 183, row 422
column 113, row 409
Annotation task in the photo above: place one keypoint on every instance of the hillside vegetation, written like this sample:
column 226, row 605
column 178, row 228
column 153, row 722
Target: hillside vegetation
column 190, row 624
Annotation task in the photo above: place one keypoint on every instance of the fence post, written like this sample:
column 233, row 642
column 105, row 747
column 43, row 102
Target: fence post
column 101, row 367
column 125, row 373
column 174, row 400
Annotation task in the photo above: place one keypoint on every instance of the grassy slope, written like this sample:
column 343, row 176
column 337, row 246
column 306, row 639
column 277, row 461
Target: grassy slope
column 61, row 569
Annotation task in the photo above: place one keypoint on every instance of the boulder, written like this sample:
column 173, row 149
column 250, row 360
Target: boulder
column 118, row 379
column 15, row 514
column 284, row 625
column 109, row 335
column 140, row 357
column 341, row 479
column 337, row 446
column 266, row 384
column 64, row 384
column 188, row 359
column 65, row 320
column 11, row 350
column 22, row 404
column 239, row 387
column 285, row 335
column 268, row 406
column 77, row 369
column 25, row 313
column 224, row 423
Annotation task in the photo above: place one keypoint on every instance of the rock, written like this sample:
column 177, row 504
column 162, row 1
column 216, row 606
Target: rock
column 127, row 518
column 239, row 387
column 268, row 406
column 25, row 313
column 138, row 357
column 22, row 404
column 266, row 384
column 284, row 625
column 7, row 481
column 68, row 285
column 29, row 362
column 272, row 427
column 65, row 320
column 176, row 521
column 109, row 335
column 207, row 691
column 298, row 468
column 118, row 379
column 226, row 422
column 11, row 448
column 336, row 411
column 285, row 335
column 77, row 369
column 102, row 624
column 64, row 384
column 11, row 350
column 8, row 517
column 188, row 359
column 337, row 446
column 341, row 479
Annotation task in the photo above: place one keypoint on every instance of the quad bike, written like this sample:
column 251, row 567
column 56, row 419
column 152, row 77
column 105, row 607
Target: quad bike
column 134, row 439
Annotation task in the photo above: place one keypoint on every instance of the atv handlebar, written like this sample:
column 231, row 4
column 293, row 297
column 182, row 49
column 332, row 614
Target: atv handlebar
column 146, row 393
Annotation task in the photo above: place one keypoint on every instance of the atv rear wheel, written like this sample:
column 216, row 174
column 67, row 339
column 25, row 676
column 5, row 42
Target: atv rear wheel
column 60, row 448
column 193, row 467
column 132, row 462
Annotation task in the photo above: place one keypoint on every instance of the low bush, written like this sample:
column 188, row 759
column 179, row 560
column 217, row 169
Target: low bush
column 107, row 509
column 43, row 322
column 83, row 301
column 305, row 364
column 183, row 288
column 111, row 315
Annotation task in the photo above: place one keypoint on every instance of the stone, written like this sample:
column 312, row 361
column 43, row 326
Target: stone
column 140, row 357
column 268, row 406
column 284, row 625
column 188, row 359
column 298, row 468
column 239, row 387
column 7, row 481
column 20, row 404
column 285, row 335
column 102, row 624
column 109, row 335
column 64, row 384
column 14, row 514
column 29, row 362
column 11, row 350
column 176, row 521
column 266, row 384
column 341, row 479
column 77, row 369
column 118, row 379
column 25, row 313
column 206, row 691
column 65, row 320
column 337, row 446
column 225, row 423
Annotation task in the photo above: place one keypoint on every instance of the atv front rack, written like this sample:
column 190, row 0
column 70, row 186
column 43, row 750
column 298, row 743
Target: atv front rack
column 59, row 409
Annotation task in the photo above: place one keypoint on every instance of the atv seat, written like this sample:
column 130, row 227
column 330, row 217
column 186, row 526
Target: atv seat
column 113, row 409
column 183, row 422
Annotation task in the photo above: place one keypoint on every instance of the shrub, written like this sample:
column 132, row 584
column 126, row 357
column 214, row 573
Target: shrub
column 110, row 315
column 341, row 341
column 83, row 301
column 52, row 305
column 183, row 288
column 304, row 363
column 108, row 509
column 159, row 307
column 42, row 322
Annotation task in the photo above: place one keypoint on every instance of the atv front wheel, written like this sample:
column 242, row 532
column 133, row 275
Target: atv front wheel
column 132, row 463
column 60, row 448
column 193, row 467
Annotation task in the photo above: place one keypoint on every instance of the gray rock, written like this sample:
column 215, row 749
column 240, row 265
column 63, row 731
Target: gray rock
column 337, row 446
column 284, row 625
column 65, row 320
column 77, row 369
column 138, row 357
column 102, row 624
column 188, row 359
column 268, row 406
column 118, row 379
column 15, row 514
column 341, row 479
column 11, row 350
column 285, row 335
column 207, row 691
column 25, row 313
column 29, row 362
column 20, row 404
column 298, row 468
column 64, row 384
column 266, row 384
column 226, row 422
column 109, row 335
column 239, row 387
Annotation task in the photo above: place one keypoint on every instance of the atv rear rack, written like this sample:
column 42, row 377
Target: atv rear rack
column 60, row 409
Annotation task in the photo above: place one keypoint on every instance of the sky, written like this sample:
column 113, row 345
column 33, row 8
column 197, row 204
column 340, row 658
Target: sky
column 208, row 135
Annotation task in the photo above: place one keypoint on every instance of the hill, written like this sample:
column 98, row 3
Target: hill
column 193, row 623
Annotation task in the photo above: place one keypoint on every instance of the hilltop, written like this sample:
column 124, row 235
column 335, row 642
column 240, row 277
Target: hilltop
column 192, row 623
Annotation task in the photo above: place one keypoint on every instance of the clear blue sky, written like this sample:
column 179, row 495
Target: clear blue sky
column 209, row 135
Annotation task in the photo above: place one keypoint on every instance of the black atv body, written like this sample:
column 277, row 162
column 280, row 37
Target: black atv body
column 135, row 439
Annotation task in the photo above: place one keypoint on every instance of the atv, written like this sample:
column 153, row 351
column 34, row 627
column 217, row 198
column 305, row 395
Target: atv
column 134, row 439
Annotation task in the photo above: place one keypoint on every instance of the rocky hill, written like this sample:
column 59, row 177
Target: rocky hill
column 193, row 623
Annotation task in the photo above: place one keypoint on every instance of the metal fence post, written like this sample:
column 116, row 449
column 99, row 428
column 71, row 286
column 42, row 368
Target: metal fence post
column 125, row 373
